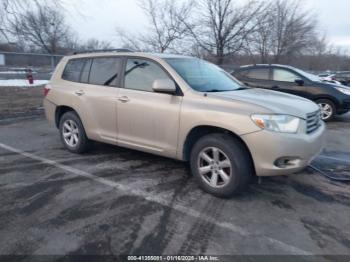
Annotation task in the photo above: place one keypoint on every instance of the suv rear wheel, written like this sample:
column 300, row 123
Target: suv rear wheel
column 327, row 109
column 221, row 165
column 73, row 133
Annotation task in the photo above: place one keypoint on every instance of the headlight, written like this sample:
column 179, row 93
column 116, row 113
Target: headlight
column 343, row 90
column 277, row 123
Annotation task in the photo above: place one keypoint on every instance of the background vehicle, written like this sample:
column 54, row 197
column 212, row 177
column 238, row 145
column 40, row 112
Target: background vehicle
column 330, row 78
column 343, row 77
column 331, row 98
column 183, row 108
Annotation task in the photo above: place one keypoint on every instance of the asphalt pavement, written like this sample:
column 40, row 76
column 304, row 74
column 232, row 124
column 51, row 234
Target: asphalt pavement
column 119, row 201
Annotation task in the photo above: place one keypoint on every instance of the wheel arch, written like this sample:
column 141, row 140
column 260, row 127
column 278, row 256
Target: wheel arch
column 332, row 99
column 199, row 131
column 60, row 110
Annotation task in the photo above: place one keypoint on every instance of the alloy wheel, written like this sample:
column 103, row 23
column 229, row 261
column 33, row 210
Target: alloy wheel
column 70, row 133
column 326, row 110
column 214, row 167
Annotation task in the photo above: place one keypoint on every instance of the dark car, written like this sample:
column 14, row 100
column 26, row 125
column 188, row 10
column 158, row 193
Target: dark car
column 343, row 77
column 332, row 99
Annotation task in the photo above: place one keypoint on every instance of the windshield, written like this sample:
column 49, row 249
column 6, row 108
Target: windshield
column 203, row 76
column 309, row 76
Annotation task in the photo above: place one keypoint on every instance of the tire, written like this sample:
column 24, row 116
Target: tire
column 238, row 175
column 80, row 142
column 328, row 109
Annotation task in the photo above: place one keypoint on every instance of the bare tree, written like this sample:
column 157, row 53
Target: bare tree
column 285, row 30
column 95, row 44
column 13, row 9
column 44, row 27
column 131, row 41
column 166, row 29
column 223, row 26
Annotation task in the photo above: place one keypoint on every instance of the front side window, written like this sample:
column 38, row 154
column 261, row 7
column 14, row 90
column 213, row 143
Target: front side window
column 203, row 76
column 73, row 69
column 258, row 73
column 105, row 70
column 140, row 74
column 284, row 76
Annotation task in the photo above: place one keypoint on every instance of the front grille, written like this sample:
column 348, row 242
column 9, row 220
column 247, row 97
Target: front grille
column 313, row 121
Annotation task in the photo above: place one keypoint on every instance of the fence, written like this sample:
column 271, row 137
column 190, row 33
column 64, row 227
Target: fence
column 15, row 59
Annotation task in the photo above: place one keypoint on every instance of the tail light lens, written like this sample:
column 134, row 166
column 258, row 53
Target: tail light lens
column 47, row 88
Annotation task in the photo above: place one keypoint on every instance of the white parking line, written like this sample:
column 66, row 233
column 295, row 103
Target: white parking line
column 335, row 158
column 154, row 198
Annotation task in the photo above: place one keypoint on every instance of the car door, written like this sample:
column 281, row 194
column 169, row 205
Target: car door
column 147, row 120
column 285, row 80
column 256, row 77
column 97, row 94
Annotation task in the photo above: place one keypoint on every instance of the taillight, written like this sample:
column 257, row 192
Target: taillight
column 46, row 90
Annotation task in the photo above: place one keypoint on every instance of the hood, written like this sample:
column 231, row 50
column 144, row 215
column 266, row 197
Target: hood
column 276, row 102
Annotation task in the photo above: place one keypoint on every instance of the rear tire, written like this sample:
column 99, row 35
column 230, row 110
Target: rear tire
column 221, row 165
column 328, row 109
column 73, row 134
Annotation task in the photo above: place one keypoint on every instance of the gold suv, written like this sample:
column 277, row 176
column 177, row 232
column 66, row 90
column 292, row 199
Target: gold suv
column 183, row 108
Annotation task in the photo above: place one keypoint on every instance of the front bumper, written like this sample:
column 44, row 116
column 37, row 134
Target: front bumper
column 268, row 147
column 344, row 105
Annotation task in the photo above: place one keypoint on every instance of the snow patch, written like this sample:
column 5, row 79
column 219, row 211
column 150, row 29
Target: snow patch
column 15, row 72
column 21, row 83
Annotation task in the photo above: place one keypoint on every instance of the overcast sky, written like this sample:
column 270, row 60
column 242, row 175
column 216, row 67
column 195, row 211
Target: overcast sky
column 99, row 18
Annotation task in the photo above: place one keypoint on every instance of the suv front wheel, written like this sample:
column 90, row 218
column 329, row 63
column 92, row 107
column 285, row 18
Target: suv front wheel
column 221, row 165
column 73, row 134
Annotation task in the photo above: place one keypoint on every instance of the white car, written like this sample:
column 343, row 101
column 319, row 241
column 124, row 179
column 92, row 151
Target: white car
column 330, row 78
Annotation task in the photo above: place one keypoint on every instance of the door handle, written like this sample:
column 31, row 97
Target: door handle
column 79, row 93
column 124, row 99
column 275, row 87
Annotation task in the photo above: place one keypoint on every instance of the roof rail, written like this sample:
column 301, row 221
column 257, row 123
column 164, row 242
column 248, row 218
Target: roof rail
column 103, row 50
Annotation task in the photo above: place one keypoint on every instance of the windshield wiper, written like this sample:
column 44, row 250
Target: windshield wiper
column 242, row 88
column 217, row 90
column 212, row 90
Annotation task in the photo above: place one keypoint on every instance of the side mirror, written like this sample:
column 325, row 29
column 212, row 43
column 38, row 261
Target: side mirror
column 300, row 82
column 164, row 86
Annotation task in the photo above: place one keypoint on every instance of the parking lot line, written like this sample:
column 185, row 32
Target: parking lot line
column 155, row 198
column 334, row 158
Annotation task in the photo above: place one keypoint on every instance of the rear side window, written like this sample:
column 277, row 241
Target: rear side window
column 140, row 74
column 105, row 71
column 258, row 73
column 73, row 69
column 86, row 71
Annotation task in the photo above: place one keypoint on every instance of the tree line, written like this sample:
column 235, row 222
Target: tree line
column 222, row 31
column 40, row 28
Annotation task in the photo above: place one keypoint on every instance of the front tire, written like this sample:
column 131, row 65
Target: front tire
column 73, row 134
column 221, row 165
column 328, row 109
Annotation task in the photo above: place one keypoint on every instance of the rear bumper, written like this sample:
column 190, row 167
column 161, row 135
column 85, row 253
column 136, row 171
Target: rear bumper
column 267, row 148
column 50, row 110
